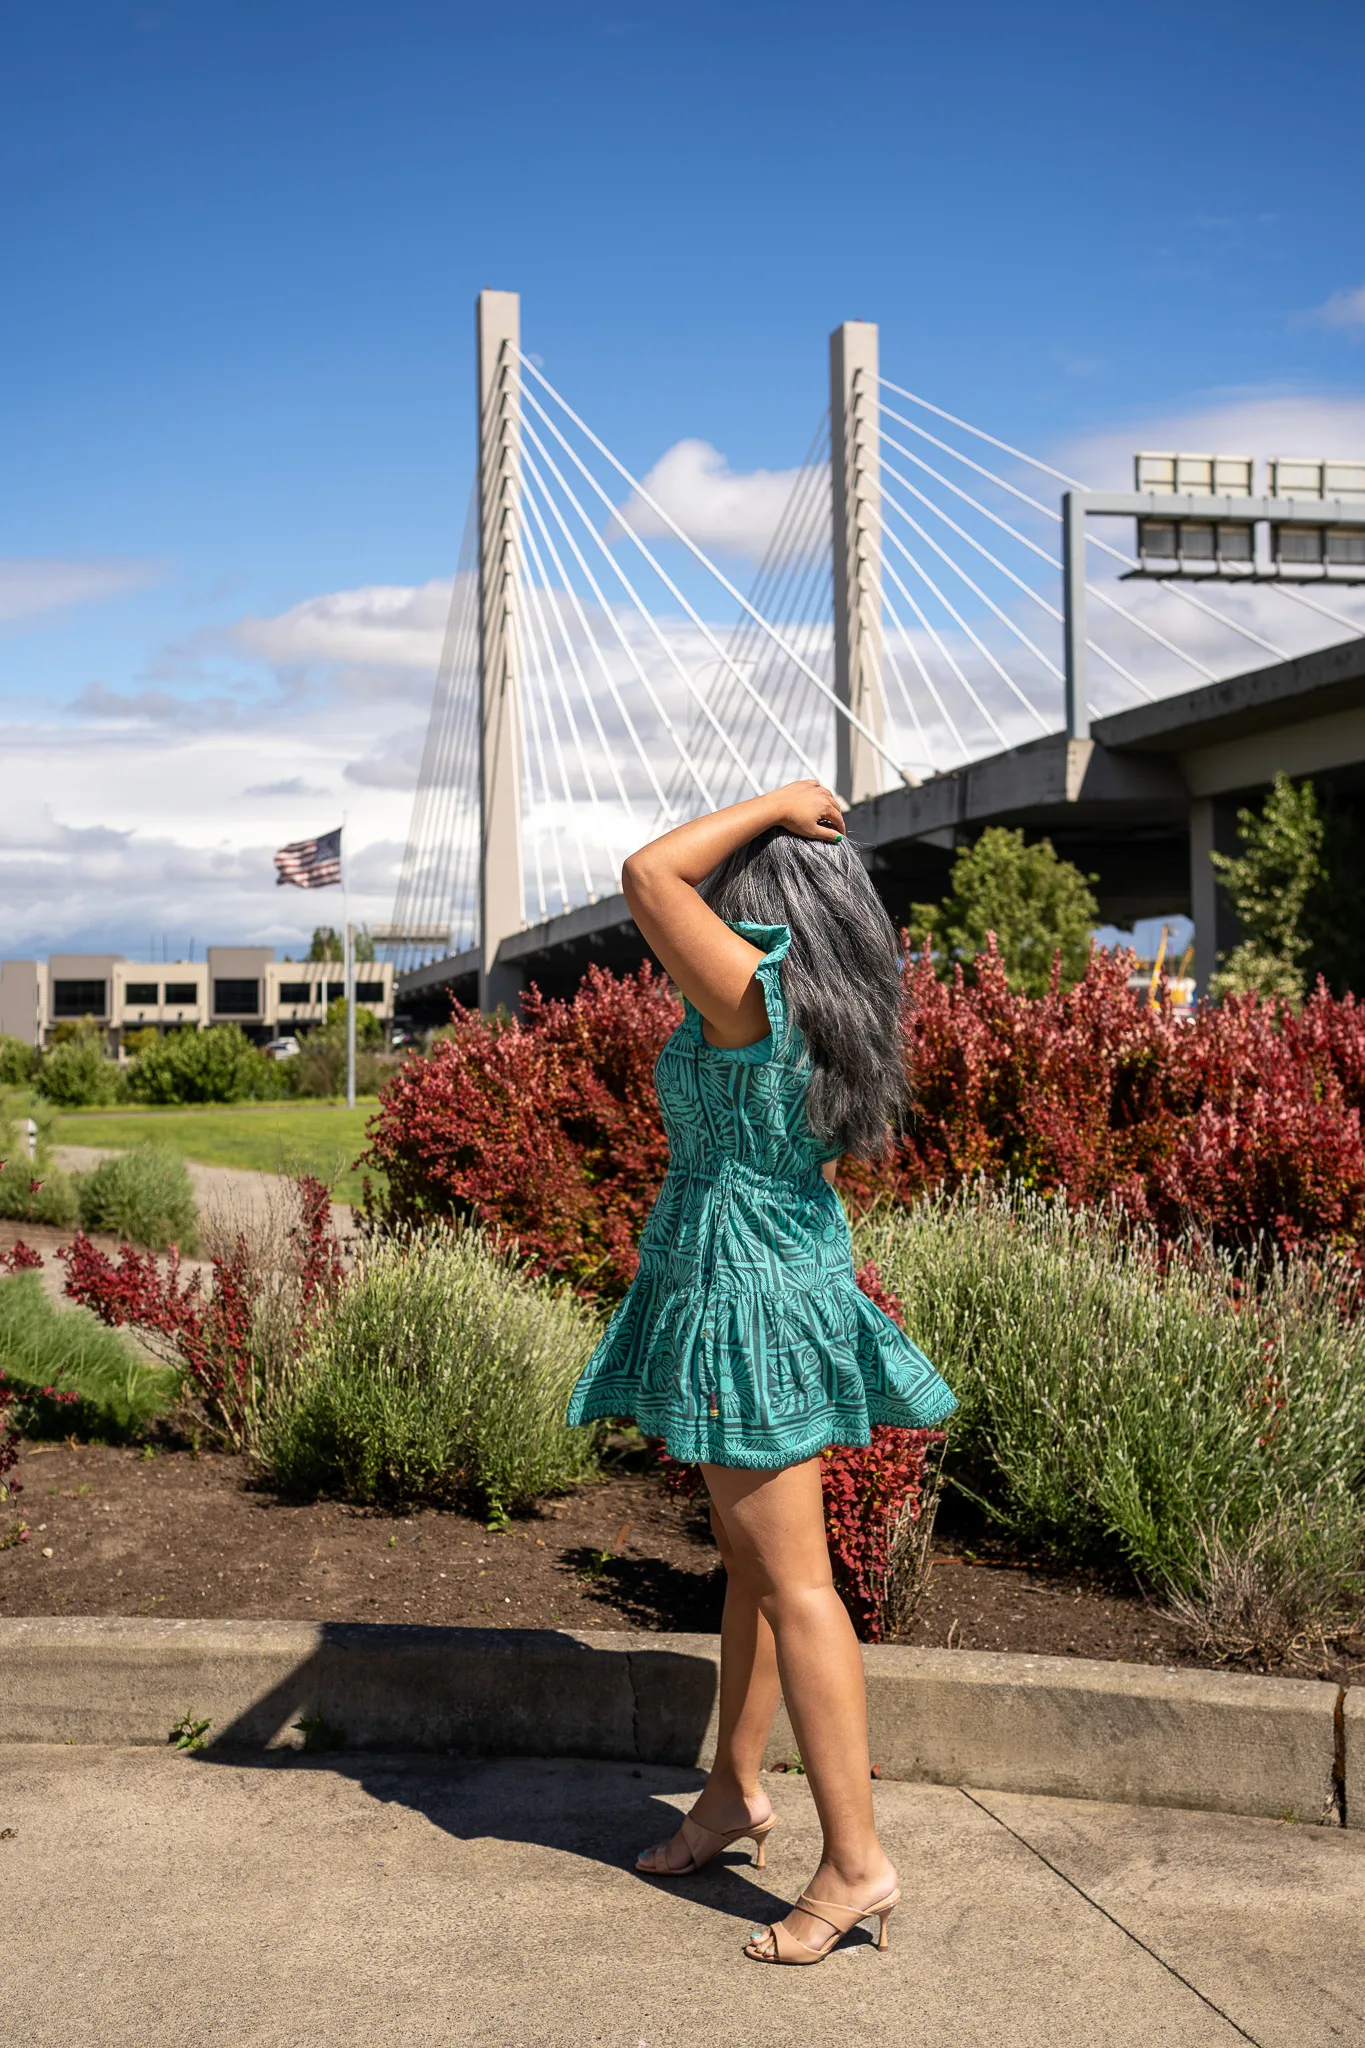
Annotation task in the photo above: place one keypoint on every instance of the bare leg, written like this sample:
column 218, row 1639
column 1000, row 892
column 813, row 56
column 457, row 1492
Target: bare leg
column 749, row 1692
column 775, row 1528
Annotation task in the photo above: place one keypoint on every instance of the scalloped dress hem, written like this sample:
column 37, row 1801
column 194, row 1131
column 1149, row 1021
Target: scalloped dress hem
column 849, row 1431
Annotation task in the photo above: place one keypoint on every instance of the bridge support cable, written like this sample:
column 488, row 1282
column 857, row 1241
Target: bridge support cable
column 609, row 613
column 1001, row 567
column 926, row 752
column 645, row 616
column 671, row 587
column 542, row 595
column 434, row 884
column 908, row 640
column 701, row 557
column 1024, row 540
column 542, row 709
column 953, row 614
column 1232, row 624
column 1356, row 626
column 1048, row 512
column 990, row 604
column 791, row 589
column 554, row 596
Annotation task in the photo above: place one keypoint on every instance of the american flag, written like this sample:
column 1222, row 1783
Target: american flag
column 311, row 863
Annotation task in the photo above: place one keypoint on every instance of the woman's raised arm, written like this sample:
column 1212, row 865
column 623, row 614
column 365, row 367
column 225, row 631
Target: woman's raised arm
column 712, row 965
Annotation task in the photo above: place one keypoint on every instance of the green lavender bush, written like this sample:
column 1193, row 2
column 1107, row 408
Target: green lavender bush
column 441, row 1372
column 143, row 1195
column 1197, row 1421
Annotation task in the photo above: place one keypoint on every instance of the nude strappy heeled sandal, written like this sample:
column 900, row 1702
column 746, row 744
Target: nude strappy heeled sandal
column 704, row 1843
column 787, row 1949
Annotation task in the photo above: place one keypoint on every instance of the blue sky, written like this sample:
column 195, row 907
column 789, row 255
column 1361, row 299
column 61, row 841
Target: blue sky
column 242, row 247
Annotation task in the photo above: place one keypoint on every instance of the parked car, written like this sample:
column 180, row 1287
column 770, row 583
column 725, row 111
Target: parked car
column 281, row 1049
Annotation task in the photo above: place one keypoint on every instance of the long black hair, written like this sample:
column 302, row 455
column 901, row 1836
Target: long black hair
column 841, row 978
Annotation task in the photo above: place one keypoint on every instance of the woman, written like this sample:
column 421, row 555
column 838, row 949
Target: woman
column 744, row 1341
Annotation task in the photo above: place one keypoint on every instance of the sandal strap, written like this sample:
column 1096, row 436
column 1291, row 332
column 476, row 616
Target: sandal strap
column 826, row 1910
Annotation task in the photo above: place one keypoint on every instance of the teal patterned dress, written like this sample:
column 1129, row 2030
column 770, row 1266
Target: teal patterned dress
column 744, row 1339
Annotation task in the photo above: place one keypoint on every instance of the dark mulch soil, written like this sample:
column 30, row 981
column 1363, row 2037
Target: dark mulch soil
column 114, row 1531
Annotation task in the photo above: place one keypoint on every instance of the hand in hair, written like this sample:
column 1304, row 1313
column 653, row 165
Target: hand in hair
column 712, row 965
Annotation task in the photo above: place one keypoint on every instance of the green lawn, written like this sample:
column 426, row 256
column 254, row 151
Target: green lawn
column 273, row 1137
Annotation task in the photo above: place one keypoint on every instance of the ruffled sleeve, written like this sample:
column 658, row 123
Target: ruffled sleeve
column 774, row 941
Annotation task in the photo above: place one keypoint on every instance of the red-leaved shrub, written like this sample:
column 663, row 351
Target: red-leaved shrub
column 211, row 1336
column 547, row 1129
column 1244, row 1124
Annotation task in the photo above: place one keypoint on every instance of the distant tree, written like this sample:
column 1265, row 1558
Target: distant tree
column 76, row 1073
column 1270, row 884
column 331, row 945
column 369, row 1032
column 17, row 1062
column 217, row 1065
column 1037, row 904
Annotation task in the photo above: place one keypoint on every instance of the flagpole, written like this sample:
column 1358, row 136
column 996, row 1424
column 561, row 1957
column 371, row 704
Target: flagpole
column 348, row 972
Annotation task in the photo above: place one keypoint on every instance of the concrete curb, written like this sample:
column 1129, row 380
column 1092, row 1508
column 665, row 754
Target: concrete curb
column 1057, row 1725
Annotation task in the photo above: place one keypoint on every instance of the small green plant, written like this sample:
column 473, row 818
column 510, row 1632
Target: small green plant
column 33, row 1190
column 1270, row 884
column 441, row 1371
column 319, row 1734
column 189, row 1734
column 143, row 1195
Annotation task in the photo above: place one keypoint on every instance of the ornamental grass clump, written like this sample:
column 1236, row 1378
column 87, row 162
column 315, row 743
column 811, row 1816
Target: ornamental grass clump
column 440, row 1372
column 1195, row 1416
column 69, row 1373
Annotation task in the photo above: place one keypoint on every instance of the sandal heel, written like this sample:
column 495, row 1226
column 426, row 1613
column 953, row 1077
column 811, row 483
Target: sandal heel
column 883, row 1918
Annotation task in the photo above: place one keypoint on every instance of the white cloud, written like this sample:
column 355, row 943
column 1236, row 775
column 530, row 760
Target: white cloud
column 293, row 785
column 1343, row 309
column 731, row 511
column 393, row 626
column 394, row 766
column 1273, row 424
column 31, row 587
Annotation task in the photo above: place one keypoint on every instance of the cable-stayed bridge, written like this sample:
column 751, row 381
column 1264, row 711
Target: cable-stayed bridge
column 946, row 629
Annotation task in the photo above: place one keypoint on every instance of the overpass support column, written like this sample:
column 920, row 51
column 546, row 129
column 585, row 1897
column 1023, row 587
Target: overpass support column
column 1203, row 892
column 501, row 899
column 855, row 478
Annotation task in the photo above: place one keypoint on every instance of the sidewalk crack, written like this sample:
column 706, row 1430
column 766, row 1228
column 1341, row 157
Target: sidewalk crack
column 1112, row 1918
column 634, row 1708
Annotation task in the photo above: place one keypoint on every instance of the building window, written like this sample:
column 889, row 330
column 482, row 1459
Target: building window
column 296, row 991
column 336, row 991
column 140, row 992
column 182, row 992
column 369, row 991
column 78, row 999
column 236, row 998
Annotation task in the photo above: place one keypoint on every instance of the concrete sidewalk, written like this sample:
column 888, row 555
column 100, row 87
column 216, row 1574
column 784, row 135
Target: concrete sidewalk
column 280, row 1902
